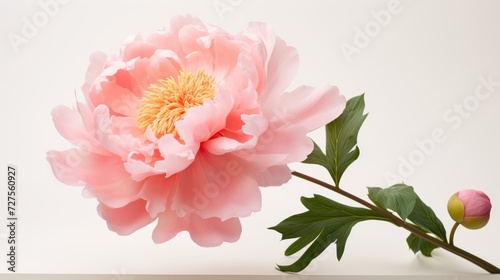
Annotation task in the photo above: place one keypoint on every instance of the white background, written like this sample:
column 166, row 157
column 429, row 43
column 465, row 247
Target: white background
column 426, row 59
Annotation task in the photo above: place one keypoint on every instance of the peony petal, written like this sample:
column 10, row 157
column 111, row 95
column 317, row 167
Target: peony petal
column 163, row 40
column 102, row 121
column 155, row 191
column 476, row 203
column 127, row 219
column 139, row 49
column 73, row 126
column 169, row 224
column 212, row 232
column 205, row 232
column 308, row 107
column 176, row 156
column 146, row 72
column 97, row 64
column 169, row 40
column 198, row 61
column 189, row 38
column 281, row 69
column 254, row 126
column 255, row 162
column 76, row 166
column 290, row 141
column 68, row 123
column 216, row 186
column 226, row 53
column 93, row 94
column 139, row 170
column 262, row 32
column 121, row 136
column 274, row 176
column 200, row 123
column 120, row 100
column 117, row 194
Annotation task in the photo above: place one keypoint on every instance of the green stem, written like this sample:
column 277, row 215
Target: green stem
column 449, row 247
column 452, row 233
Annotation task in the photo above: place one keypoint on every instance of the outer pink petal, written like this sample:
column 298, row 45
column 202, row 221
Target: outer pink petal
column 226, row 52
column 164, row 40
column 96, row 66
column 93, row 94
column 256, row 65
column 256, row 163
column 78, row 128
column 102, row 122
column 169, row 224
column 189, row 38
column 281, row 69
column 169, row 40
column 205, row 232
column 138, row 48
column 258, row 31
column 68, row 123
column 88, row 121
column 290, row 141
column 127, row 219
column 308, row 107
column 216, row 186
column 117, row 194
column 212, row 232
column 156, row 192
column 274, row 176
column 75, row 166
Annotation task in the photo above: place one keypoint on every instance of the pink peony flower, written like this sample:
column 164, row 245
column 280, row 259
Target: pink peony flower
column 470, row 208
column 183, row 127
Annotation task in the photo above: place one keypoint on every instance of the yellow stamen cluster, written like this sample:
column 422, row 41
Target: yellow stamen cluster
column 167, row 102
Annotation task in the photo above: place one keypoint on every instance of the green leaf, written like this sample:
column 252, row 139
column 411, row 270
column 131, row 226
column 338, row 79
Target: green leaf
column 417, row 244
column 423, row 216
column 342, row 137
column 302, row 242
column 317, row 157
column 325, row 222
column 399, row 198
column 341, row 140
column 403, row 200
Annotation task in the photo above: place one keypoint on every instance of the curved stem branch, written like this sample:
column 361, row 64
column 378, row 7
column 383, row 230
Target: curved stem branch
column 452, row 233
column 449, row 247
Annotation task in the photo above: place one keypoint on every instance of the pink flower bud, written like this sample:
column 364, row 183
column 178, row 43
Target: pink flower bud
column 470, row 208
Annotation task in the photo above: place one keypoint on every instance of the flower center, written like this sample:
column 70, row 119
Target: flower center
column 166, row 103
